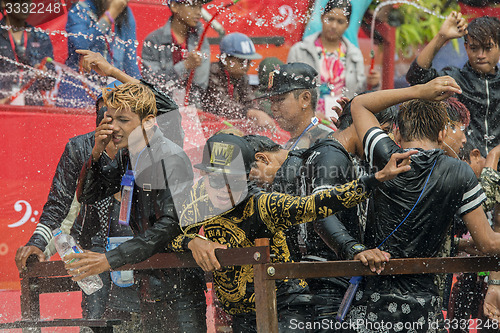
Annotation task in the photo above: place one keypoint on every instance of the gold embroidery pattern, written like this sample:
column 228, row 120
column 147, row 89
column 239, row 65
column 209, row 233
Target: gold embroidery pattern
column 351, row 194
column 280, row 211
column 234, row 285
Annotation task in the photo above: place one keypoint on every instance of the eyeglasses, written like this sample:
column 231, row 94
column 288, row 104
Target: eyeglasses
column 219, row 181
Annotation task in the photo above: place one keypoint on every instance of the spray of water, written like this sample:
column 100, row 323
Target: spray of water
column 398, row 2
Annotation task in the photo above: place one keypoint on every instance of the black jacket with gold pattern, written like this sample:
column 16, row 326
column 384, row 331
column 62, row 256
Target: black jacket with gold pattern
column 259, row 215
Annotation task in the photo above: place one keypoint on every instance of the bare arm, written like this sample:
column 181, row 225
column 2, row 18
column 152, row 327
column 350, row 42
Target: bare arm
column 95, row 61
column 365, row 106
column 492, row 158
column 486, row 240
column 453, row 27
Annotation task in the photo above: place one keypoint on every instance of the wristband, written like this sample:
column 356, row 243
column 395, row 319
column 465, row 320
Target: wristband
column 109, row 17
column 354, row 249
column 202, row 237
column 493, row 282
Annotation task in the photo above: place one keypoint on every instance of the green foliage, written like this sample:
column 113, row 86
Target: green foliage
column 420, row 27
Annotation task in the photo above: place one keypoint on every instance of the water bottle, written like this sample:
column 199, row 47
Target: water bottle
column 65, row 244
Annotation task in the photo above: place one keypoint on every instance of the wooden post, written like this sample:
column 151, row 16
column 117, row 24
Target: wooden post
column 265, row 295
column 30, row 301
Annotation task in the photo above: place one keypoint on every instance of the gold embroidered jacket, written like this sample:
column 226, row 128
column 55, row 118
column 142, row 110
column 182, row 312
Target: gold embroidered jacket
column 259, row 215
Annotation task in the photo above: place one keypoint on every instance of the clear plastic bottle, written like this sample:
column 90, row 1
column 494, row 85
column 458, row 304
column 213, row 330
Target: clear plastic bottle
column 65, row 244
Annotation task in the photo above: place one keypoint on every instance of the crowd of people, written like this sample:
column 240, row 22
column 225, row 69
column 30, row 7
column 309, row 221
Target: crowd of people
column 406, row 173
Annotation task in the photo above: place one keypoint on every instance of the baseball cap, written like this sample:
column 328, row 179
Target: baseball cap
column 238, row 45
column 227, row 153
column 266, row 66
column 289, row 77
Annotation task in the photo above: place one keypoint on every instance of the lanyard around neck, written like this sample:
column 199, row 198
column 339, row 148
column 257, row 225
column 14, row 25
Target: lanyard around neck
column 314, row 122
column 13, row 44
column 230, row 86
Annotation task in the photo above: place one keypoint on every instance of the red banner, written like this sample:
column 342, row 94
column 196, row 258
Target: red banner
column 33, row 140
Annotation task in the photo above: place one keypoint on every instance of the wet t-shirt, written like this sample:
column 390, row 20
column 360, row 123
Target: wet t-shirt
column 451, row 188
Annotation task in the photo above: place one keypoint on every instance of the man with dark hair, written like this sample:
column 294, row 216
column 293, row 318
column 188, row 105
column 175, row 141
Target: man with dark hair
column 405, row 218
column 479, row 77
column 169, row 53
column 303, row 172
column 234, row 213
column 293, row 94
column 326, row 163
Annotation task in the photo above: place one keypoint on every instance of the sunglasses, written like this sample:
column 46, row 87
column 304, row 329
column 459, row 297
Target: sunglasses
column 219, row 181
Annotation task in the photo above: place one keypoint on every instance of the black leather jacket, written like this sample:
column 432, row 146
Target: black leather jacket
column 324, row 165
column 64, row 183
column 480, row 94
column 163, row 175
column 62, row 191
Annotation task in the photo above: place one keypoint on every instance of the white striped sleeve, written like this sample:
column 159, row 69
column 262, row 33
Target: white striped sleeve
column 472, row 199
column 44, row 231
column 378, row 147
column 322, row 188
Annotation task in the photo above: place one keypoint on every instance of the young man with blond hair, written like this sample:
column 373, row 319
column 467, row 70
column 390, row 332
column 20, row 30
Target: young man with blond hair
column 161, row 173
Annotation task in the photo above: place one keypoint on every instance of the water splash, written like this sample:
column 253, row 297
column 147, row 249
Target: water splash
column 398, row 2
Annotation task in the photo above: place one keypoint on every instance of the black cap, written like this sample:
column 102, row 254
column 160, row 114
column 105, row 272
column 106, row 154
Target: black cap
column 261, row 143
column 227, row 153
column 289, row 77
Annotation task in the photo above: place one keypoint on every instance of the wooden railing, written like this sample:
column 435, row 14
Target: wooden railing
column 51, row 277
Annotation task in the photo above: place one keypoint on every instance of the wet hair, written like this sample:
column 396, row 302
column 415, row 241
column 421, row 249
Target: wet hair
column 345, row 5
column 387, row 116
column 464, row 153
column 139, row 98
column 483, row 30
column 262, row 144
column 420, row 119
column 457, row 111
column 314, row 95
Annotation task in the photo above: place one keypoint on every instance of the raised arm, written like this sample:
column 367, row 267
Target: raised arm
column 364, row 106
column 95, row 61
column 453, row 27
